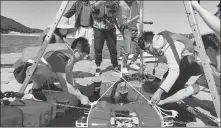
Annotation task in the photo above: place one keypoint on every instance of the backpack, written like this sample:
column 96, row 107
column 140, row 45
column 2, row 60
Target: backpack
column 20, row 70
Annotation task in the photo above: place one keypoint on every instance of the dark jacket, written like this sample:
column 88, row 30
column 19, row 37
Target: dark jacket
column 76, row 9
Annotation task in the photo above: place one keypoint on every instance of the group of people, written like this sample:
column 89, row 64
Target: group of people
column 102, row 18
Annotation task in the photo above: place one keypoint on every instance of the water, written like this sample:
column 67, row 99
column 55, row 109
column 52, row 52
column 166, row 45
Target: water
column 16, row 44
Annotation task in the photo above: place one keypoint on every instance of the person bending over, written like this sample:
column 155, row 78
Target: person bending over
column 57, row 64
column 213, row 53
column 176, row 54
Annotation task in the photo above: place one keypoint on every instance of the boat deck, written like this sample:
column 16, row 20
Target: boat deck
column 84, row 75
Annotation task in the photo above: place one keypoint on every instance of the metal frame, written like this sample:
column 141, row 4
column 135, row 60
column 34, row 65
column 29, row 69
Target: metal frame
column 193, row 24
column 42, row 50
column 206, row 66
column 140, row 34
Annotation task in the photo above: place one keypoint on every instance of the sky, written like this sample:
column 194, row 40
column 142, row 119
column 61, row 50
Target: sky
column 166, row 15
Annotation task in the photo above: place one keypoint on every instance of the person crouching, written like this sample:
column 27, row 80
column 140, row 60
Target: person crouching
column 58, row 65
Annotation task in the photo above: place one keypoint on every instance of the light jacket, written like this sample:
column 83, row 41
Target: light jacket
column 170, row 59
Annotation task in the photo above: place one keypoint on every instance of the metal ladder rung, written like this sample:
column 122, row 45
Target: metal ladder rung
column 201, row 49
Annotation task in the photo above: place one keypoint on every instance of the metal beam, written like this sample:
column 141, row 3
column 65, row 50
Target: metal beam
column 203, row 56
column 43, row 47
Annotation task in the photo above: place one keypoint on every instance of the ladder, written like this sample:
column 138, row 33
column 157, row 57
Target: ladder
column 206, row 66
column 41, row 51
column 193, row 24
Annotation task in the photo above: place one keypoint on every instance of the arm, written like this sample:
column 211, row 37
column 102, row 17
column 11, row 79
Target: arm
column 212, row 21
column 137, row 16
column 180, row 95
column 183, row 94
column 66, row 79
column 71, row 11
column 173, row 73
column 134, row 19
column 94, row 6
column 41, row 38
column 119, row 19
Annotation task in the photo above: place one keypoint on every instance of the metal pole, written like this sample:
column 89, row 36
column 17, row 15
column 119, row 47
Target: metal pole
column 43, row 47
column 205, row 63
column 140, row 34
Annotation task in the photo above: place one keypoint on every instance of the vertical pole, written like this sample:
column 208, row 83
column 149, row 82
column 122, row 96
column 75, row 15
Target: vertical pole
column 140, row 34
column 205, row 63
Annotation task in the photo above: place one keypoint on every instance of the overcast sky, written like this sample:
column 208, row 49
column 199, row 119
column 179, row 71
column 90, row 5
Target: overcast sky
column 166, row 15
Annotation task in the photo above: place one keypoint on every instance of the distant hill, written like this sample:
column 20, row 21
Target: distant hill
column 8, row 25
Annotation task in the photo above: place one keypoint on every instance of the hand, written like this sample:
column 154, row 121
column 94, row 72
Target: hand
column 194, row 3
column 156, row 97
column 161, row 102
column 84, row 100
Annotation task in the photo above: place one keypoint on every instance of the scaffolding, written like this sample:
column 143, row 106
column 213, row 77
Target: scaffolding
column 193, row 24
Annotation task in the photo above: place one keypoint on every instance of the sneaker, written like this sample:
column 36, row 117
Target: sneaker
column 134, row 66
column 51, row 87
column 38, row 95
column 98, row 72
column 125, row 70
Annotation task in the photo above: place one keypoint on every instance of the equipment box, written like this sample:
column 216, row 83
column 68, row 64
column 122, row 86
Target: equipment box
column 37, row 114
column 11, row 116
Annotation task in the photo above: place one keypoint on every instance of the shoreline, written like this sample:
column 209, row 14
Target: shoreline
column 37, row 35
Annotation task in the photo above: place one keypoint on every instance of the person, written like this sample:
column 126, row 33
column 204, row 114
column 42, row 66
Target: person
column 83, row 19
column 128, row 25
column 104, row 17
column 57, row 63
column 59, row 36
column 213, row 52
column 176, row 54
column 200, row 82
column 212, row 21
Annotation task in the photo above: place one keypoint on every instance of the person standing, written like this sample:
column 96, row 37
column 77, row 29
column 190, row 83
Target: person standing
column 104, row 17
column 83, row 19
column 130, row 15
